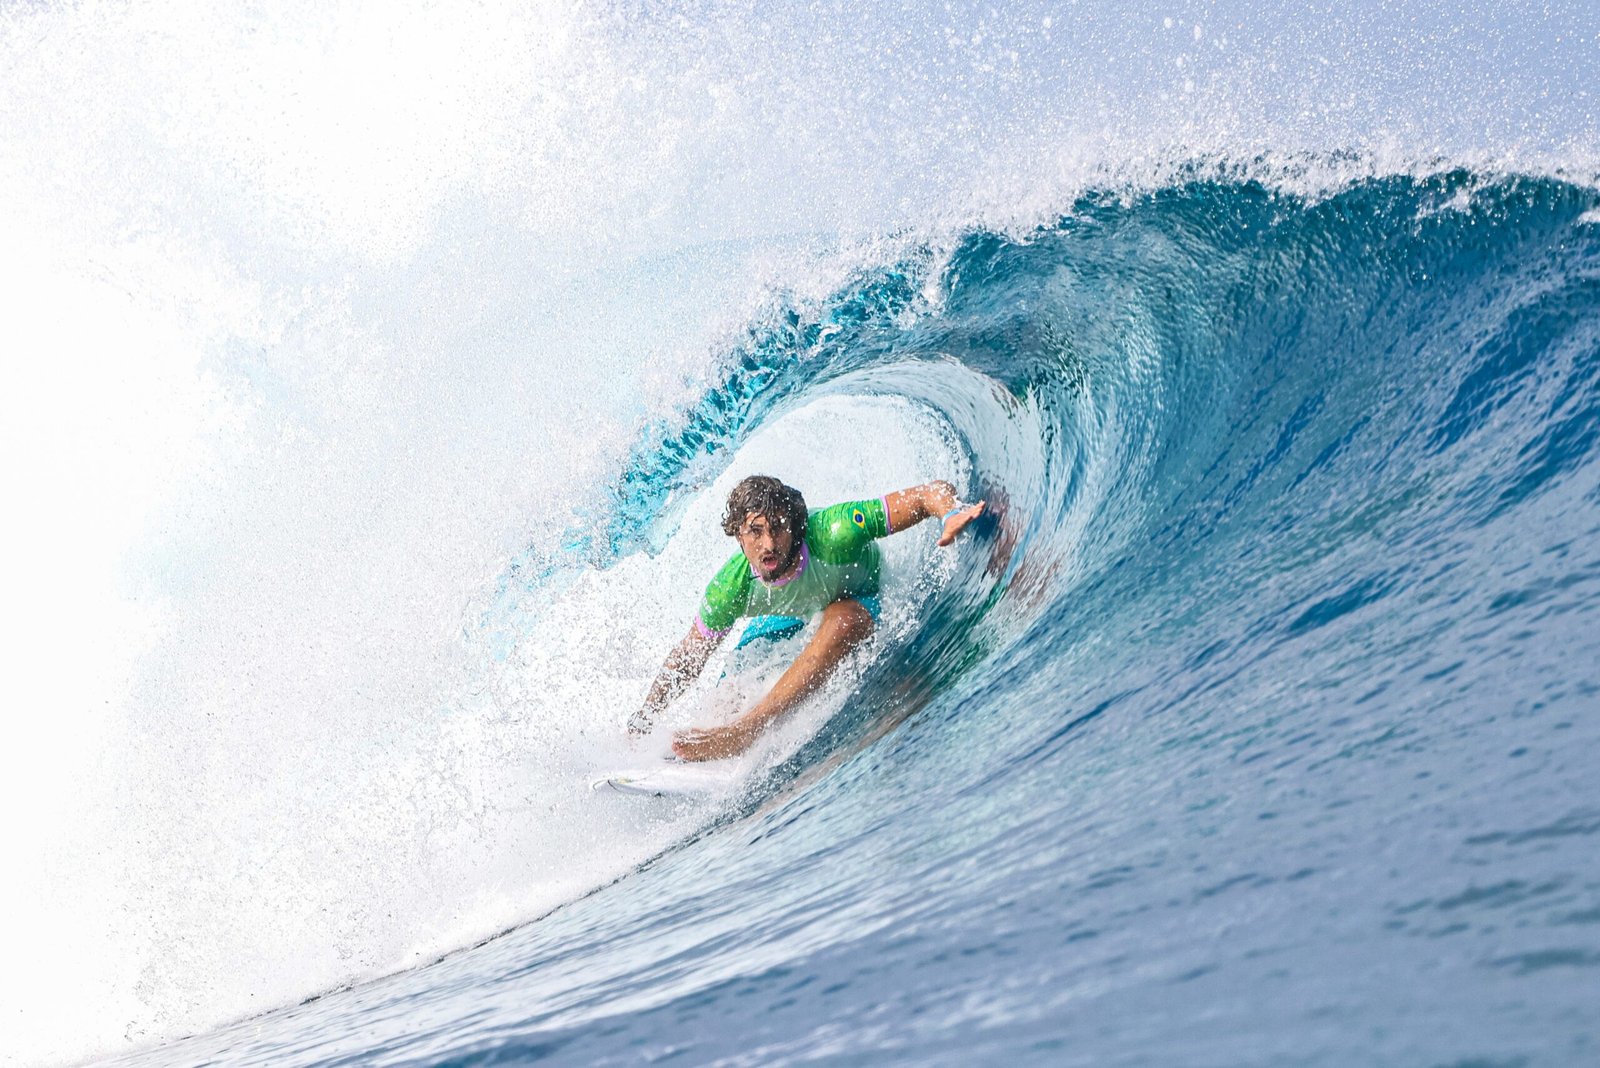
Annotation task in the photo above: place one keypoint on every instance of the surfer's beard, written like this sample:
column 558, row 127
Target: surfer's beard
column 785, row 566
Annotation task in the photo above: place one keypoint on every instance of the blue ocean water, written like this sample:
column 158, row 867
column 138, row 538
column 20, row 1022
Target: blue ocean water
column 373, row 378
column 1256, row 725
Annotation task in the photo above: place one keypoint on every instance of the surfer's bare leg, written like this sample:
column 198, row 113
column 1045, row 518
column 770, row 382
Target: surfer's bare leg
column 846, row 623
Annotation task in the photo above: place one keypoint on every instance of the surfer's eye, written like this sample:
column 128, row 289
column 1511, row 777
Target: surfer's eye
column 759, row 527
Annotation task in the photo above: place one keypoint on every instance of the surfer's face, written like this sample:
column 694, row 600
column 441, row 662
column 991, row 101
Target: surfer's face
column 768, row 544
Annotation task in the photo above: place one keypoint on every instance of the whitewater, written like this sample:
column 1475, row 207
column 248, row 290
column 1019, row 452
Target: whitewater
column 373, row 381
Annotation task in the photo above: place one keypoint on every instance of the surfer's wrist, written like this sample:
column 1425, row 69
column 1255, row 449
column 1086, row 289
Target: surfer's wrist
column 954, row 511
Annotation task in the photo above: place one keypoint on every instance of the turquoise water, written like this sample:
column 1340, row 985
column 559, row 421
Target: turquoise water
column 374, row 380
column 1256, row 727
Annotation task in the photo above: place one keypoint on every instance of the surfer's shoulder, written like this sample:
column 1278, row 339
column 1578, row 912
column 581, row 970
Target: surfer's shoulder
column 839, row 532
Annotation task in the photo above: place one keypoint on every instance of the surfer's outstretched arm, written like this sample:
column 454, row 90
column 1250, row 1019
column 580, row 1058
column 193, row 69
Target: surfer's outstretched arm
column 845, row 625
column 682, row 666
column 908, row 507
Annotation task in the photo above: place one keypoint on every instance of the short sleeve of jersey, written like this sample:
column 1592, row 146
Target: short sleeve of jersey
column 726, row 596
column 839, row 533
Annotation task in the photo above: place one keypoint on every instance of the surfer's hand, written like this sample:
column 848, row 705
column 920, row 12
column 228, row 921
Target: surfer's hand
column 957, row 520
column 714, row 743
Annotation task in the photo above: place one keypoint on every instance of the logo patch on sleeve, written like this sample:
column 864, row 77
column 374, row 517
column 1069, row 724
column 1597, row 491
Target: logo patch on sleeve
column 859, row 518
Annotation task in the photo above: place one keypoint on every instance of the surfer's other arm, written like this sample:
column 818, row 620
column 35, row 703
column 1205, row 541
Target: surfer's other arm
column 908, row 507
column 682, row 666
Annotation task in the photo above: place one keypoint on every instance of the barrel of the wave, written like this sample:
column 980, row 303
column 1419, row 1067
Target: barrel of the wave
column 793, row 564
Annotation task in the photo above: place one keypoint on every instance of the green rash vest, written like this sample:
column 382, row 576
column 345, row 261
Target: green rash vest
column 838, row 559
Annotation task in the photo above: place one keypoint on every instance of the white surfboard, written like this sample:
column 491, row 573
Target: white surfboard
column 670, row 780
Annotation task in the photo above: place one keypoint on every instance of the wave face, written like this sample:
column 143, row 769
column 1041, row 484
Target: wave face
column 1256, row 724
column 373, row 379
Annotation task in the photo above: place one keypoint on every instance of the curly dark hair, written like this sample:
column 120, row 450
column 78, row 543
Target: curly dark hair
column 764, row 495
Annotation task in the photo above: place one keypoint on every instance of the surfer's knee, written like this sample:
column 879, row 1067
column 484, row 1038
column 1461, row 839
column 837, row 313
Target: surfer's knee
column 849, row 618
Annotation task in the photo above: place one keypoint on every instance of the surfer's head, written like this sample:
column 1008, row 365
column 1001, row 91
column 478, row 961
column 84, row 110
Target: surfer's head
column 769, row 520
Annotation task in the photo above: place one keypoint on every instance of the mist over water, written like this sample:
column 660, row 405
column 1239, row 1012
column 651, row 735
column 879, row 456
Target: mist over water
column 324, row 321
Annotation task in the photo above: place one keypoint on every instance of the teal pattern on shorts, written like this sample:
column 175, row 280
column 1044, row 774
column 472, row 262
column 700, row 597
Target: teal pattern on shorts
column 777, row 628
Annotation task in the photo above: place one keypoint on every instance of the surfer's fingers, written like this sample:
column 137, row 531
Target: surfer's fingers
column 687, row 744
column 690, row 751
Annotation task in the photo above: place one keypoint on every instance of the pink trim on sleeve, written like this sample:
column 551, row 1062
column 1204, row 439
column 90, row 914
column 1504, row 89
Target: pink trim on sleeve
column 707, row 632
column 888, row 524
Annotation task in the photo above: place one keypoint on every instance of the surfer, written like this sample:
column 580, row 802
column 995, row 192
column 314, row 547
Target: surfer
column 792, row 565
